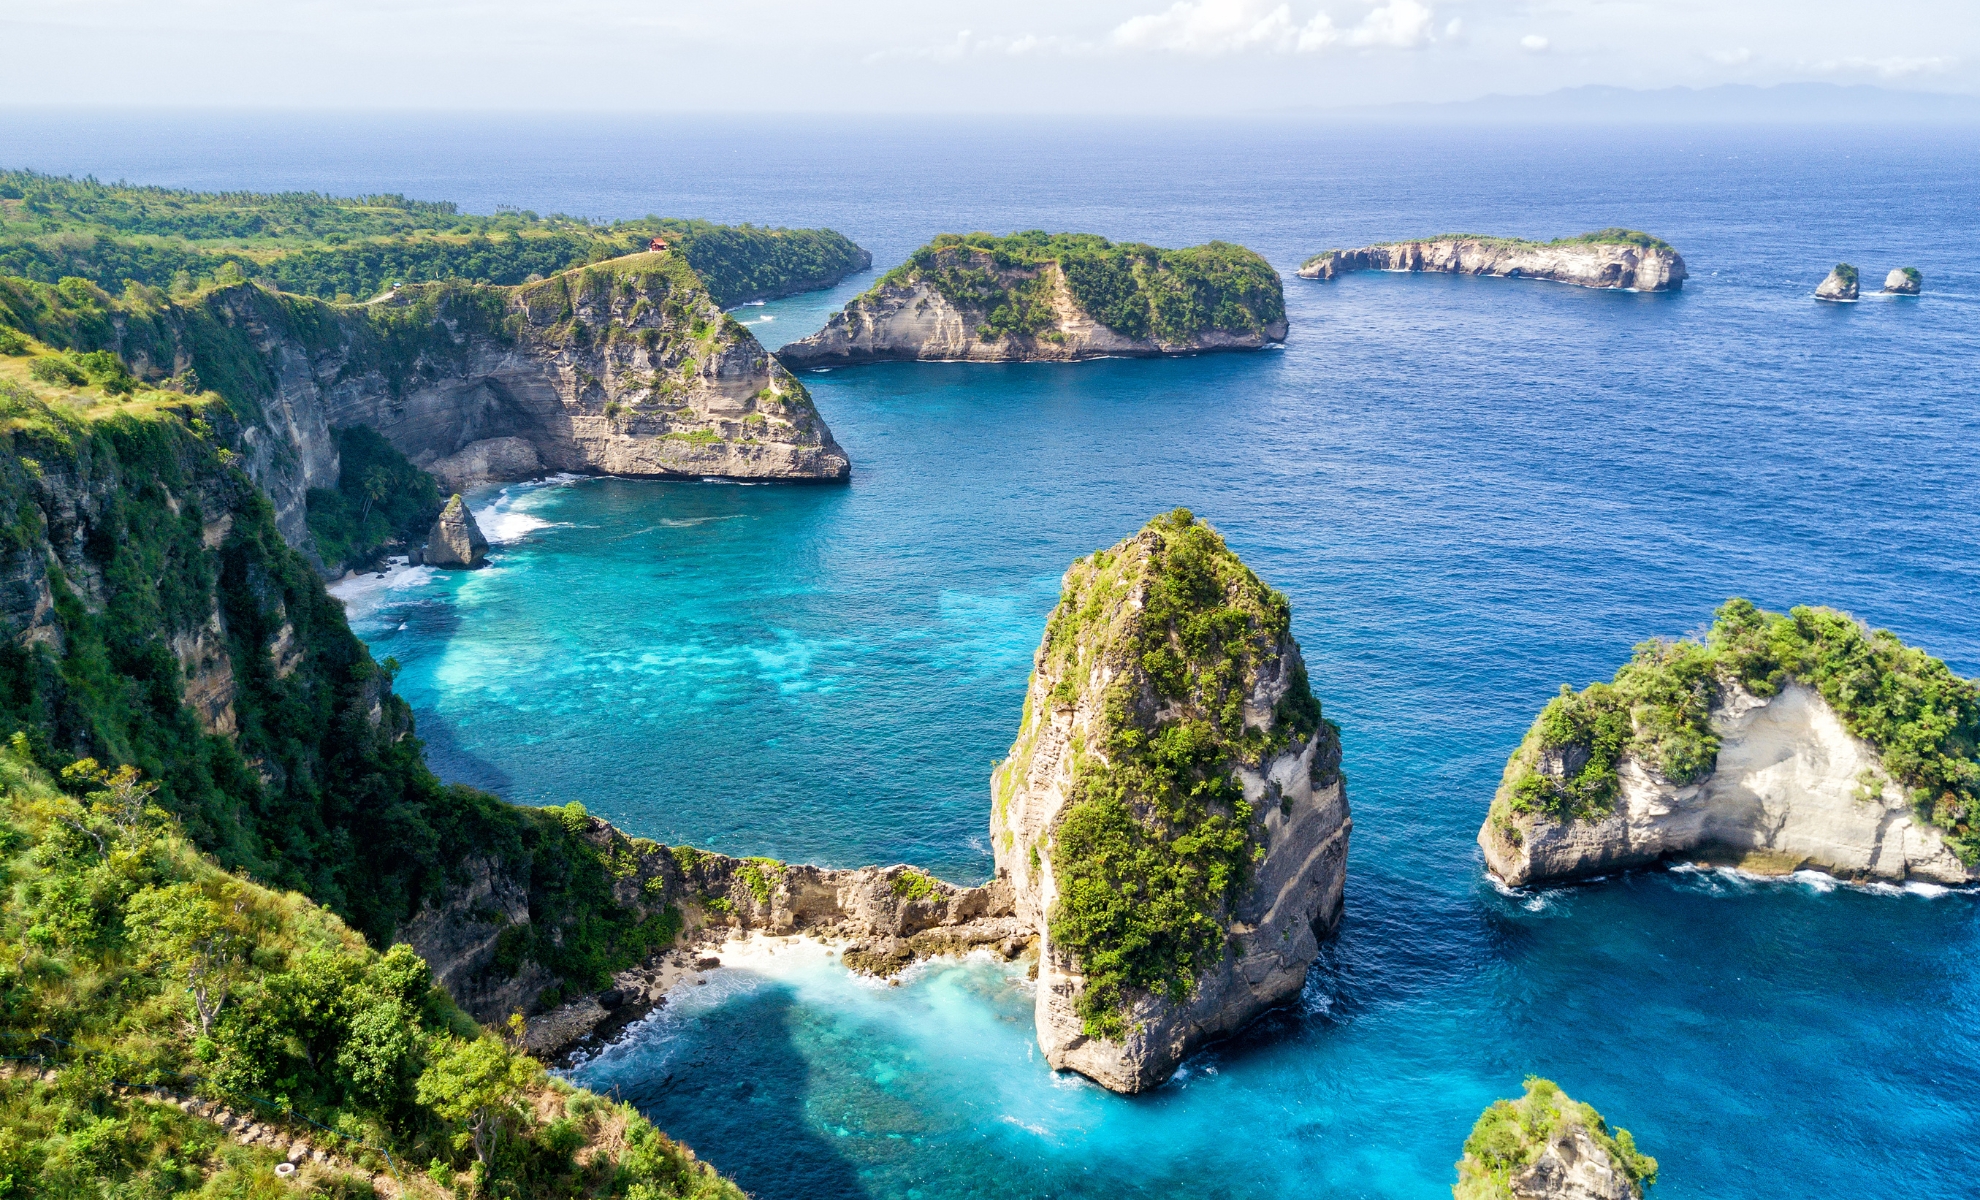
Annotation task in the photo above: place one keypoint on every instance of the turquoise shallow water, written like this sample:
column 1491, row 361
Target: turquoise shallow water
column 1473, row 491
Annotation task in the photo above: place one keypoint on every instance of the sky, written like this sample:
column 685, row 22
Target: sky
column 1194, row 57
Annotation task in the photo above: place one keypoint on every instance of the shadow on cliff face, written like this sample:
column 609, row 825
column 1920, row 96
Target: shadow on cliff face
column 740, row 1101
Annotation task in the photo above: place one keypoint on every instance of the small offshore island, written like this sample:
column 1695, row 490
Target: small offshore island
column 1780, row 742
column 1039, row 297
column 1607, row 258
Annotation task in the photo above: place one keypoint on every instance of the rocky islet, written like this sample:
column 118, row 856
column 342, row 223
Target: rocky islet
column 1037, row 297
column 1607, row 258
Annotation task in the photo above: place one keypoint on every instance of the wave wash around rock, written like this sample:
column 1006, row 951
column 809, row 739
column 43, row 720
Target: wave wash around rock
column 1607, row 258
column 1172, row 818
column 1778, row 743
column 1054, row 297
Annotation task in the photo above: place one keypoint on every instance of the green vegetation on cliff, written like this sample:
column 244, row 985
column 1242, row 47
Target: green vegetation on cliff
column 160, row 562
column 1511, row 1135
column 379, row 498
column 352, row 248
column 125, row 955
column 1158, row 841
column 1923, row 720
column 1136, row 290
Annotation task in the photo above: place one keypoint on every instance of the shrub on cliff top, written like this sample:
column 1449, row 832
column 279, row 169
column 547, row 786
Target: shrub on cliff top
column 1923, row 720
column 1158, row 841
column 1511, row 1135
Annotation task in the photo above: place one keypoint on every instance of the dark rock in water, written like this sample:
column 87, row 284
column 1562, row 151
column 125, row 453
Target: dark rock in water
column 1840, row 285
column 456, row 540
column 1904, row 281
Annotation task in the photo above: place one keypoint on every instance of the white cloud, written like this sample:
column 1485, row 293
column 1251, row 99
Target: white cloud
column 1400, row 23
column 1534, row 42
column 1209, row 27
column 1731, row 58
column 1212, row 27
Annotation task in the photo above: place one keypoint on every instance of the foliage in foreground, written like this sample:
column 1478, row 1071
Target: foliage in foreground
column 1158, row 841
column 1923, row 720
column 127, row 955
column 1136, row 290
column 346, row 248
column 1512, row 1134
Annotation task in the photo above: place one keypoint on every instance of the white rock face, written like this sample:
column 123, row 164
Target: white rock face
column 1902, row 282
column 1643, row 268
column 913, row 321
column 1792, row 789
column 1294, row 899
column 456, row 541
column 490, row 460
column 1574, row 1166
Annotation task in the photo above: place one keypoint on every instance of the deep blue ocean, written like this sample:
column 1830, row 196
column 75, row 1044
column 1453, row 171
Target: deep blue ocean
column 1473, row 491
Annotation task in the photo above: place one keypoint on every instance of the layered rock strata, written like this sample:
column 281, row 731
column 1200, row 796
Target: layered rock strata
column 885, row 918
column 1171, row 821
column 1053, row 300
column 624, row 367
column 1840, row 284
column 1904, row 281
column 1645, row 266
column 1775, row 783
column 456, row 541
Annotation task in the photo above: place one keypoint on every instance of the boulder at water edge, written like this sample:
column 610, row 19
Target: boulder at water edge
column 456, row 540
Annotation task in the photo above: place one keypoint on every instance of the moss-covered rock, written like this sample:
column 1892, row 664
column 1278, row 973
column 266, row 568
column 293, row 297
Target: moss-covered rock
column 1545, row 1146
column 1172, row 816
column 1780, row 740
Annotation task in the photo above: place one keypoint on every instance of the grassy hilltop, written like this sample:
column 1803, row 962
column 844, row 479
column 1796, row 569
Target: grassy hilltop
column 351, row 248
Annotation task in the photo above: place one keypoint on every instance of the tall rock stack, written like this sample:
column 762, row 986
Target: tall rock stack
column 1172, row 818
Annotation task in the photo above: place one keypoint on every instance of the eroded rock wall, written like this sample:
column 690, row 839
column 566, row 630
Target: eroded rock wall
column 1595, row 265
column 1792, row 788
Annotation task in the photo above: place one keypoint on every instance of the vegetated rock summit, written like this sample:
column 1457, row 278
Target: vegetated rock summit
column 1054, row 297
column 1607, row 258
column 1778, row 743
column 1172, row 820
column 1546, row 1146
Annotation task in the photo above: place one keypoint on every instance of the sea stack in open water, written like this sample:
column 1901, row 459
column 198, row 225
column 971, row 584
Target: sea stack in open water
column 1778, row 743
column 1172, row 817
column 1054, row 298
column 1606, row 258
column 456, row 541
column 1904, row 281
column 1840, row 284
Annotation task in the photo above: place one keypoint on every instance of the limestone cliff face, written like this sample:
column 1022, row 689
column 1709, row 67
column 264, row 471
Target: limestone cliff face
column 963, row 302
column 1654, row 268
column 625, row 367
column 1092, row 707
column 1792, row 788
